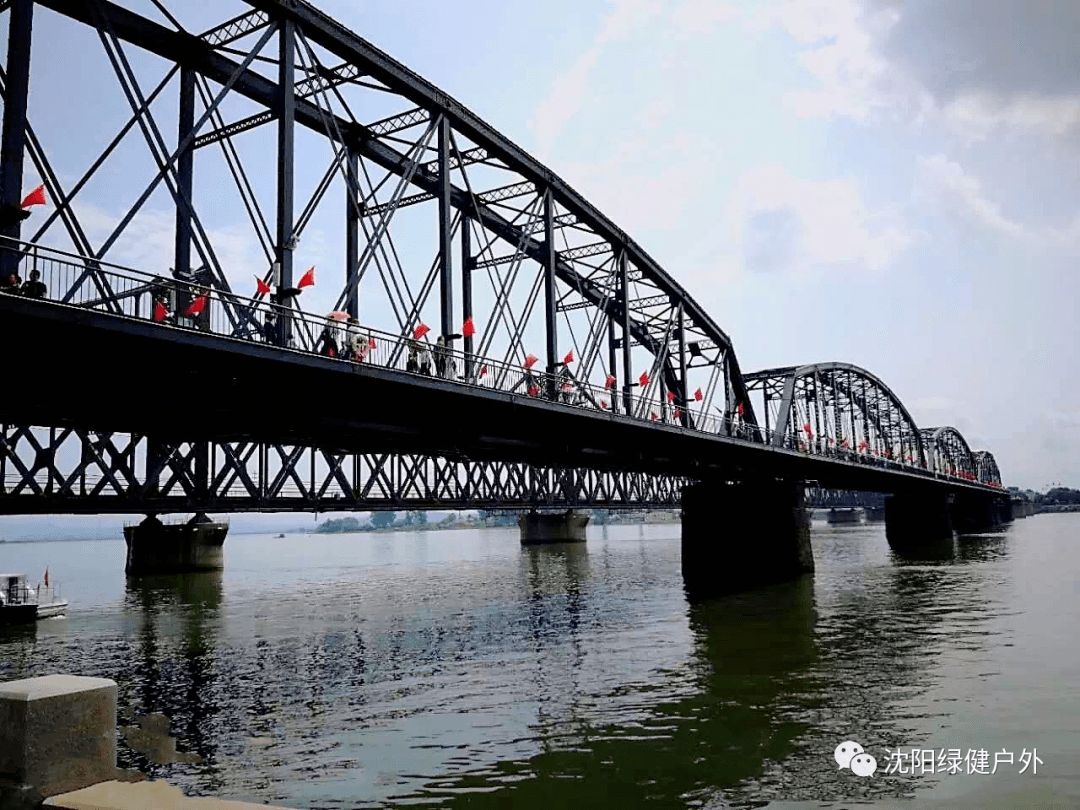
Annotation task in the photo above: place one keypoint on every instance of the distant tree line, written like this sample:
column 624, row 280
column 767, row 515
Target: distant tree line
column 1059, row 495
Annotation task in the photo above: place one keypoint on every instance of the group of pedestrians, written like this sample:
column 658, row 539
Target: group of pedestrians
column 33, row 287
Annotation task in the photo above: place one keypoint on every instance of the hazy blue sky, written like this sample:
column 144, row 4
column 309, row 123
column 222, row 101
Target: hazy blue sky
column 883, row 183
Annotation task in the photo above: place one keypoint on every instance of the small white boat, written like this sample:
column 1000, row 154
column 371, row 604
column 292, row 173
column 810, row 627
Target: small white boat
column 21, row 602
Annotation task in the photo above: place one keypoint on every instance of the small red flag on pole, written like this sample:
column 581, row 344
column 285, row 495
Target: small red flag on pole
column 644, row 379
column 35, row 197
column 610, row 381
column 159, row 312
column 261, row 287
column 420, row 331
column 307, row 280
column 569, row 358
column 468, row 330
column 46, row 576
column 698, row 395
column 529, row 361
column 195, row 307
column 670, row 396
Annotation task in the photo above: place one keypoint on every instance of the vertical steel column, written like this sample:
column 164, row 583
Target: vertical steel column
column 286, row 104
column 624, row 292
column 466, row 289
column 185, row 185
column 612, row 363
column 681, row 393
column 13, row 136
column 550, row 324
column 446, row 261
column 352, row 232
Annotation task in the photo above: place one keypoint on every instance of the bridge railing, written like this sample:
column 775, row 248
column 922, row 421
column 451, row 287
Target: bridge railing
column 177, row 304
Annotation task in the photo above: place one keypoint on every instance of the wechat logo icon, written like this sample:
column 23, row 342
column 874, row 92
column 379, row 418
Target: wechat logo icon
column 851, row 755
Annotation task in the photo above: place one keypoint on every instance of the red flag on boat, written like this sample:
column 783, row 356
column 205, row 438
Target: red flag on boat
column 307, row 280
column 467, row 329
column 698, row 395
column 35, row 197
column 530, row 360
column 159, row 312
column 420, row 331
column 569, row 358
column 610, row 381
column 670, row 396
column 195, row 307
column 644, row 379
column 261, row 287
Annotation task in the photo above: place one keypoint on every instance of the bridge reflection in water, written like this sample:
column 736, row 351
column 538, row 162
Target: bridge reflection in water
column 572, row 674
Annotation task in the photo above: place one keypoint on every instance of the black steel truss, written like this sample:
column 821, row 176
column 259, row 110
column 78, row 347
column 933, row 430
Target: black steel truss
column 63, row 470
column 516, row 251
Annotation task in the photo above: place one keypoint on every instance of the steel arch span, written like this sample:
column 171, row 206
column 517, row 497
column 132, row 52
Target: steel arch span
column 986, row 468
column 440, row 224
column 835, row 408
column 441, row 220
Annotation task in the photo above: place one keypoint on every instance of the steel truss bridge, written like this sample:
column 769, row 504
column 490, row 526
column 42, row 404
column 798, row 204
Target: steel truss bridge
column 578, row 372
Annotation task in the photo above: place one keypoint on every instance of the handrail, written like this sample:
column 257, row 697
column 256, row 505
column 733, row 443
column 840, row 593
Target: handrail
column 134, row 296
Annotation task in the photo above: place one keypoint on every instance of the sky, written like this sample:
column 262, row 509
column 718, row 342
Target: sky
column 890, row 184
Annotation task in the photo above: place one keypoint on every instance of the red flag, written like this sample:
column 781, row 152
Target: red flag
column 261, row 287
column 420, row 331
column 195, row 307
column 307, row 280
column 653, row 416
column 371, row 343
column 468, row 330
column 483, row 369
column 569, row 358
column 603, row 404
column 35, row 197
column 698, row 395
column 610, row 381
column 46, row 576
column 159, row 312
column 677, row 414
column 741, row 409
column 534, row 390
column 529, row 361
column 644, row 379
column 670, row 396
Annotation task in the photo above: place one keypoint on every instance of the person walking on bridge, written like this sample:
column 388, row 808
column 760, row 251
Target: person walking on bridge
column 34, row 288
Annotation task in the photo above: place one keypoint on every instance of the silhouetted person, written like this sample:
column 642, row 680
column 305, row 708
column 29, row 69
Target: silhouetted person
column 329, row 340
column 412, row 364
column 425, row 360
column 35, row 287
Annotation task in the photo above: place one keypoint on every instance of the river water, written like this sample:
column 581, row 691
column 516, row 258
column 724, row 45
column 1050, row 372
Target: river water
column 452, row 668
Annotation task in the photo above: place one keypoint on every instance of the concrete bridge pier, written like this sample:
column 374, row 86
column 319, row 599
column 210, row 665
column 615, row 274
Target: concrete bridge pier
column 154, row 547
column 745, row 535
column 539, row 529
column 918, row 522
column 974, row 513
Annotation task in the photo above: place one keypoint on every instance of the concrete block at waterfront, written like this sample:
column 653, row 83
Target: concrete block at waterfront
column 57, row 734
column 141, row 796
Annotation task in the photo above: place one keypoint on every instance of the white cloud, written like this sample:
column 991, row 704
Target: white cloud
column 570, row 89
column 821, row 223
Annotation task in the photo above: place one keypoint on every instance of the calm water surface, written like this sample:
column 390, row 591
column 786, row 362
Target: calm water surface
column 456, row 668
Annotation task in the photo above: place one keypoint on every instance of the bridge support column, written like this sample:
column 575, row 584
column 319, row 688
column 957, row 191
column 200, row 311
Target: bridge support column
column 736, row 537
column 918, row 521
column 157, row 548
column 540, row 529
column 974, row 513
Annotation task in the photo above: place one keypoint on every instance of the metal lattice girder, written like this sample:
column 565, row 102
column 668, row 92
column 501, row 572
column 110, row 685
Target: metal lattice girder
column 396, row 123
column 325, row 80
column 236, row 28
column 651, row 301
column 507, row 192
column 948, row 451
column 583, row 252
column 62, row 470
column 986, row 468
column 234, row 128
column 404, row 202
column 466, row 158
